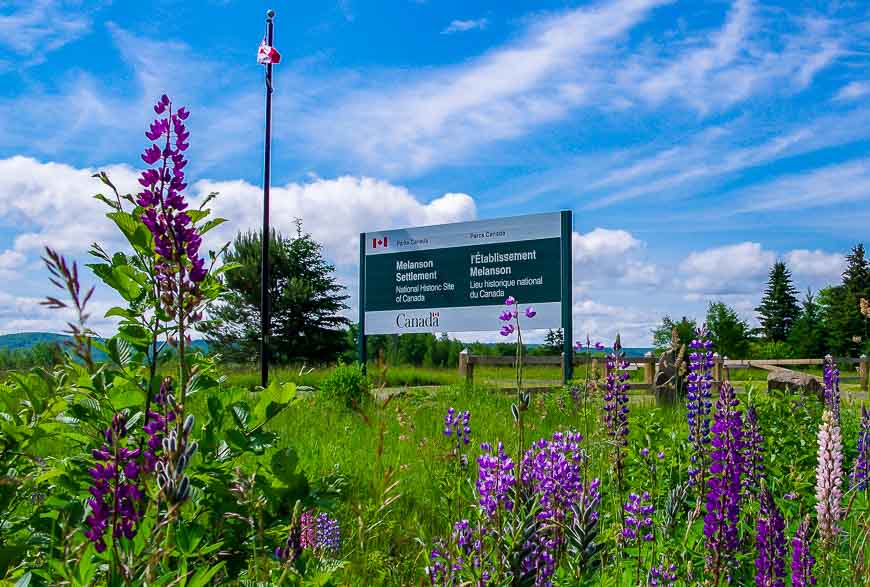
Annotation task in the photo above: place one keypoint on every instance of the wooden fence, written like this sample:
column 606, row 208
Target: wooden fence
column 721, row 369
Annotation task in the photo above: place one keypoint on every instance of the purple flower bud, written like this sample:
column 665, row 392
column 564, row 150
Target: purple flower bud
column 510, row 301
column 530, row 312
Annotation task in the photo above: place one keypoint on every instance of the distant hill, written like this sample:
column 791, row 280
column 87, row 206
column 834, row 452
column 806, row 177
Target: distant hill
column 25, row 340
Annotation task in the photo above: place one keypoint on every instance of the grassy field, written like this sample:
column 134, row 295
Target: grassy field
column 361, row 460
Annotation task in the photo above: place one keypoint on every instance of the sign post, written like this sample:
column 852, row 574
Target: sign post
column 455, row 277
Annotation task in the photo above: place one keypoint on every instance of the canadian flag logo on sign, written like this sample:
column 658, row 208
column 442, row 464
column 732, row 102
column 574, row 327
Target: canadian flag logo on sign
column 380, row 242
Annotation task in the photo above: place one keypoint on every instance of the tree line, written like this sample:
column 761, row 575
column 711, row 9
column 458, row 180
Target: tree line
column 308, row 322
column 832, row 320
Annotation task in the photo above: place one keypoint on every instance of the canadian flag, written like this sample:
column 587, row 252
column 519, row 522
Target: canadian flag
column 267, row 55
column 377, row 242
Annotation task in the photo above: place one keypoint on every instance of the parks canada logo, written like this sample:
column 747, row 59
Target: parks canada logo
column 381, row 242
column 429, row 320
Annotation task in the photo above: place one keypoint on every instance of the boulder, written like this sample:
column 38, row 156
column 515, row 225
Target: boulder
column 788, row 380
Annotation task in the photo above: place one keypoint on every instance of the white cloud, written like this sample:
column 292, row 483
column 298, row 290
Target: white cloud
column 461, row 26
column 413, row 123
column 852, row 91
column 52, row 204
column 835, row 184
column 602, row 242
column 746, row 56
column 726, row 270
column 334, row 211
column 37, row 27
column 602, row 255
column 816, row 264
column 100, row 120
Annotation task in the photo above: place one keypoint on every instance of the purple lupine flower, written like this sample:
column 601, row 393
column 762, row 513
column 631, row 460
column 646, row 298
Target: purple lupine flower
column 507, row 330
column 802, row 560
column 530, row 312
column 753, row 457
column 495, row 480
column 328, row 536
column 829, row 478
column 156, row 424
column 176, row 241
column 638, row 522
column 307, row 531
column 723, row 494
column 699, row 382
column 510, row 301
column 662, row 575
column 861, row 470
column 552, row 471
column 115, row 494
column 457, row 426
column 292, row 547
column 832, row 387
column 616, row 404
column 599, row 346
column 506, row 316
column 770, row 543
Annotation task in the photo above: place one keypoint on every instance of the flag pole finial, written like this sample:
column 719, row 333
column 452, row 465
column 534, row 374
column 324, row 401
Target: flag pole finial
column 270, row 14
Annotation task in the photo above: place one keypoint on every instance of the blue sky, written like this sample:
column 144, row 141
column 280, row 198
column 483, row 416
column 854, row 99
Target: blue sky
column 696, row 142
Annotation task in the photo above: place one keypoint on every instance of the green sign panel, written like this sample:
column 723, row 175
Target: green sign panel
column 455, row 277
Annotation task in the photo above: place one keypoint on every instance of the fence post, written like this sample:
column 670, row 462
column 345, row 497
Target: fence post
column 726, row 376
column 649, row 366
column 863, row 372
column 466, row 371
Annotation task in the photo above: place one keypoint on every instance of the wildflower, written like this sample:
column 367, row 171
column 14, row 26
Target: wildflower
column 723, row 494
column 510, row 301
column 551, row 471
column 328, row 536
column 457, row 425
column 638, row 523
column 802, row 560
column 832, row 387
column 699, row 382
column 115, row 494
column 506, row 316
column 495, row 480
column 530, row 312
column 176, row 241
column 308, row 531
column 829, row 473
column 753, row 457
column 507, row 330
column 292, row 546
column 176, row 451
column 770, row 543
column 861, row 471
column 662, row 575
column 616, row 404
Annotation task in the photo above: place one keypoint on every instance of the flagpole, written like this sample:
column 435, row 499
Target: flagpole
column 265, row 323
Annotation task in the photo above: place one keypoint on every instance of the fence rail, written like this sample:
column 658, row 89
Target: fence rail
column 721, row 367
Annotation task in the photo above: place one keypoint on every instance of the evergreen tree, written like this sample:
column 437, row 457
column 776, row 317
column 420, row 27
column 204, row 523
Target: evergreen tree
column 662, row 333
column 728, row 331
column 554, row 341
column 807, row 338
column 306, row 302
column 779, row 307
column 856, row 277
column 842, row 320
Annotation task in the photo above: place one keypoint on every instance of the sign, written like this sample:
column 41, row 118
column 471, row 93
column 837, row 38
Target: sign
column 455, row 277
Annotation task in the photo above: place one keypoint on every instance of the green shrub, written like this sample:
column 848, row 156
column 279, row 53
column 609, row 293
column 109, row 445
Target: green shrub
column 347, row 383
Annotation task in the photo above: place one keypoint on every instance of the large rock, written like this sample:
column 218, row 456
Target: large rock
column 788, row 380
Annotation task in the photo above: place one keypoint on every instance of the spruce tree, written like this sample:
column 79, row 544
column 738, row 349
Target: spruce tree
column 306, row 302
column 807, row 338
column 779, row 307
column 728, row 331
